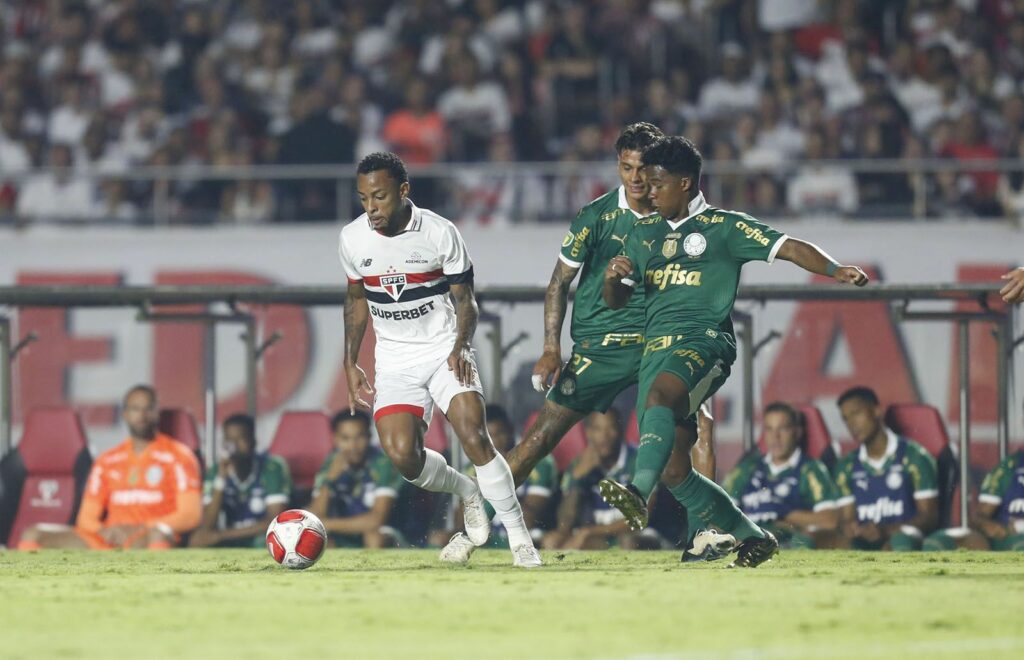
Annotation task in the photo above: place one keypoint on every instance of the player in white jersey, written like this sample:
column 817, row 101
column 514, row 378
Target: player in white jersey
column 402, row 263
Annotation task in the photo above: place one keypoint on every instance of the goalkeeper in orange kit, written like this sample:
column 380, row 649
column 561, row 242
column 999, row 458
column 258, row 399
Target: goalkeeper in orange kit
column 143, row 493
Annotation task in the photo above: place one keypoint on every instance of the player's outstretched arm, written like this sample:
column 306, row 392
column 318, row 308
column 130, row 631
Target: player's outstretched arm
column 467, row 312
column 357, row 314
column 616, row 291
column 1013, row 291
column 811, row 258
column 556, row 300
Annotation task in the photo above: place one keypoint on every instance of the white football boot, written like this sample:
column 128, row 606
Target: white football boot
column 709, row 545
column 458, row 550
column 526, row 556
column 474, row 516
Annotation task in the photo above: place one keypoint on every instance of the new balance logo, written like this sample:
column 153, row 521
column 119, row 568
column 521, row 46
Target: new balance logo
column 365, row 263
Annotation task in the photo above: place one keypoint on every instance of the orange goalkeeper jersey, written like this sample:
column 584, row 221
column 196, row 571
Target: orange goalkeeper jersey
column 159, row 486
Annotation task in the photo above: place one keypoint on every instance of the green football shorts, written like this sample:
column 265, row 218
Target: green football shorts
column 598, row 370
column 702, row 361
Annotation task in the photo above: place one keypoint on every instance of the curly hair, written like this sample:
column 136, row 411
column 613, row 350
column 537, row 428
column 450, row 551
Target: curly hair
column 675, row 154
column 387, row 161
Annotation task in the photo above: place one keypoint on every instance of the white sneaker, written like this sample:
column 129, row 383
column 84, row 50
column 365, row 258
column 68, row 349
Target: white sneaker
column 474, row 515
column 525, row 556
column 458, row 550
column 709, row 545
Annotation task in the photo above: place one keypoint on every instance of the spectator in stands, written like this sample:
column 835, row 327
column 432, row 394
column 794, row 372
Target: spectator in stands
column 535, row 494
column 821, row 189
column 785, row 491
column 357, row 486
column 475, row 111
column 733, row 92
column 143, row 493
column 57, row 194
column 584, row 520
column 416, row 132
column 888, row 493
column 243, row 492
column 570, row 70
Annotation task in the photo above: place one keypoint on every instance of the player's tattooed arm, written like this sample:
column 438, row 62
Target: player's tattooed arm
column 812, row 258
column 467, row 313
column 556, row 300
column 616, row 292
column 357, row 314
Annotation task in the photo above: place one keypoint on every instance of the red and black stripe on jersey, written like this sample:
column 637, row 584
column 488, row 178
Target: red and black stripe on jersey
column 416, row 286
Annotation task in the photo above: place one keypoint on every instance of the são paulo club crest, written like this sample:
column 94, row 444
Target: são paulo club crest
column 394, row 284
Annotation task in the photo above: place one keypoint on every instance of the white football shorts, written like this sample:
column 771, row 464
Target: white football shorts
column 417, row 388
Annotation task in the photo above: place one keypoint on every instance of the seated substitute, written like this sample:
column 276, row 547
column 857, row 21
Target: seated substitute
column 357, row 486
column 143, row 493
column 998, row 521
column 584, row 520
column 534, row 494
column 243, row 493
column 888, row 495
column 785, row 491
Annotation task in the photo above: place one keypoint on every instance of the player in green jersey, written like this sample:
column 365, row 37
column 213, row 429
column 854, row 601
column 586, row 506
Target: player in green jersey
column 608, row 343
column 688, row 259
column 242, row 493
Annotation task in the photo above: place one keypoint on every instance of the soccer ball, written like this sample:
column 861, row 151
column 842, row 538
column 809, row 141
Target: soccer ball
column 296, row 539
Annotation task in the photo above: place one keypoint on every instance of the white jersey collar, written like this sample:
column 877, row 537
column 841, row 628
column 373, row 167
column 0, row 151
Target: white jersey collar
column 415, row 222
column 696, row 206
column 624, row 204
column 891, row 440
column 791, row 462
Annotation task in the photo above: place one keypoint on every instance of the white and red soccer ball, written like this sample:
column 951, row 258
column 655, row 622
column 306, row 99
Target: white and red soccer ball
column 296, row 539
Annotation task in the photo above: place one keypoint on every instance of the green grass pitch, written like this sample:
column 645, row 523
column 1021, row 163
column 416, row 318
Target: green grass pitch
column 361, row 604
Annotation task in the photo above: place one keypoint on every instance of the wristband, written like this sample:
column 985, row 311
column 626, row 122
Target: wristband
column 831, row 268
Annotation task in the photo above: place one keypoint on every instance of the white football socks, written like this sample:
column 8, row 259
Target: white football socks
column 498, row 488
column 439, row 477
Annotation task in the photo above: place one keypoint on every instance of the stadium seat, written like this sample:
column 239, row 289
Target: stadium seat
column 923, row 424
column 569, row 448
column 303, row 440
column 818, row 441
column 180, row 424
column 45, row 474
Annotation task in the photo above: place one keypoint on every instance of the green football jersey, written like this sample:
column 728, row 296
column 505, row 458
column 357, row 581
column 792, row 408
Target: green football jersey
column 599, row 233
column 355, row 490
column 886, row 490
column 690, row 269
column 245, row 502
column 766, row 492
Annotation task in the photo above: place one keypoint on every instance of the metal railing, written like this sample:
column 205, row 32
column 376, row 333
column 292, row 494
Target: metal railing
column 486, row 192
column 148, row 299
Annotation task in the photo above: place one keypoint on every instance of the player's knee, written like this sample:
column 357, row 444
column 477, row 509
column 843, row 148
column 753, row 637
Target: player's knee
column 405, row 453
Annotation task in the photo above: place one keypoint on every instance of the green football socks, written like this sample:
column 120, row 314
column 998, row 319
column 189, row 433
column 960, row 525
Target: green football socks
column 657, row 437
column 707, row 502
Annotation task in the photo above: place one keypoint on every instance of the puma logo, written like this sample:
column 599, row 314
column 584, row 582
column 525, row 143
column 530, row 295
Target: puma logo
column 620, row 239
column 648, row 244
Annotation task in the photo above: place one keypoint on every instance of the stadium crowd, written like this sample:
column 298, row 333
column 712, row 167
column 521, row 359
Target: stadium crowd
column 887, row 493
column 774, row 91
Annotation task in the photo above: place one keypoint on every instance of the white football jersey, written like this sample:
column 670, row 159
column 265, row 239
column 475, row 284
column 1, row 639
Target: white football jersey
column 406, row 278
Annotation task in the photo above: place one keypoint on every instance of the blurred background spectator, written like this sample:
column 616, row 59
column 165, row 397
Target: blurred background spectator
column 766, row 88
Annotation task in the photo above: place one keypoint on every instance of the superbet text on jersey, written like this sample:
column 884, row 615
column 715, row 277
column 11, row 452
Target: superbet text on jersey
column 406, row 278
